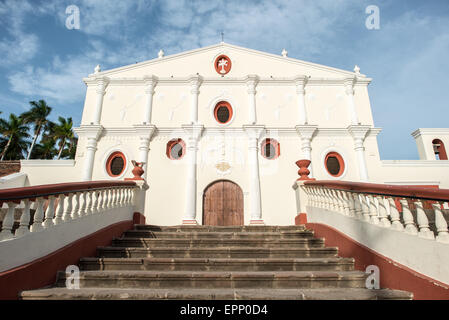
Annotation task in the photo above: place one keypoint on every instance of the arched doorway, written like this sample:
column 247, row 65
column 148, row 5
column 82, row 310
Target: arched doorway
column 223, row 204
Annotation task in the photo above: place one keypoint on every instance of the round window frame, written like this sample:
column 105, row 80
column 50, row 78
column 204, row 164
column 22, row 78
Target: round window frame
column 171, row 144
column 217, row 69
column 230, row 110
column 340, row 160
column 276, row 145
column 112, row 156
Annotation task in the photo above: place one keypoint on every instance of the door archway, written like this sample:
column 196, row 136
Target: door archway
column 223, row 204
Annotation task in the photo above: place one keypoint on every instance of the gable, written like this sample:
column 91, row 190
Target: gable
column 244, row 62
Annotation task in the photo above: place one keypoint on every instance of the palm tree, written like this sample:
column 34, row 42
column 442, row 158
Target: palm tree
column 14, row 134
column 37, row 115
column 44, row 150
column 63, row 133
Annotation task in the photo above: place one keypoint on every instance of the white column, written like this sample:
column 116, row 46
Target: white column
column 102, row 82
column 358, row 134
column 92, row 134
column 195, row 83
column 306, row 132
column 349, row 87
column 193, row 133
column 145, row 132
column 254, row 133
column 300, row 90
column 150, row 83
column 251, row 82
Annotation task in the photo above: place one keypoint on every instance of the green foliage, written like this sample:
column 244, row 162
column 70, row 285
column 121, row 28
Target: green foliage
column 57, row 140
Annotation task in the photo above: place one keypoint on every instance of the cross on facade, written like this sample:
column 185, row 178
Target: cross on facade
column 222, row 63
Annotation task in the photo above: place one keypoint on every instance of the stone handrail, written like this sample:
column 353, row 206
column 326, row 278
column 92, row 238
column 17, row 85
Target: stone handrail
column 400, row 208
column 55, row 204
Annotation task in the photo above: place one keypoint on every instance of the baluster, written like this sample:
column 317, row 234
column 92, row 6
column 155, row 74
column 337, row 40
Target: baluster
column 109, row 204
column 125, row 197
column 423, row 222
column 88, row 203
column 351, row 203
column 372, row 210
column 94, row 207
column 114, row 198
column 365, row 207
column 312, row 190
column 440, row 223
column 50, row 212
column 394, row 214
column 340, row 201
column 105, row 199
column 8, row 222
column 60, row 209
column 329, row 199
column 67, row 216
column 76, row 207
column 24, row 219
column 120, row 197
column 357, row 205
column 83, row 206
column 408, row 218
column 384, row 222
column 100, row 200
column 321, row 198
column 38, row 215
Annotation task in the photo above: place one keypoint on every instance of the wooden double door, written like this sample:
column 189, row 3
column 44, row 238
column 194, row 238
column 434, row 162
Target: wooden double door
column 223, row 204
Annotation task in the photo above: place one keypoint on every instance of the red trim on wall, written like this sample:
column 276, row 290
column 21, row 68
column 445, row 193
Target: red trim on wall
column 116, row 154
column 42, row 272
column 226, row 68
column 171, row 144
column 138, row 218
column 340, row 160
column 226, row 105
column 393, row 275
column 441, row 149
column 276, row 146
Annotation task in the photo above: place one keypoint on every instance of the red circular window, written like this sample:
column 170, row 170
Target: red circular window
column 270, row 149
column 222, row 64
column 223, row 112
column 334, row 164
column 116, row 164
column 176, row 149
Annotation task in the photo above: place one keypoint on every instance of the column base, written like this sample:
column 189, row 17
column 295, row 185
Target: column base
column 189, row 223
column 256, row 222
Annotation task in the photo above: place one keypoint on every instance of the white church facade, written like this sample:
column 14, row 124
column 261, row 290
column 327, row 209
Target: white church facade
column 219, row 130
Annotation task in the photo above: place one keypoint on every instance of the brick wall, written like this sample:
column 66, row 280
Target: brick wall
column 8, row 167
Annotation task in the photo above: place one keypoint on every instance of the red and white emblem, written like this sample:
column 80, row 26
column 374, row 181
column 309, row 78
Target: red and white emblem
column 223, row 64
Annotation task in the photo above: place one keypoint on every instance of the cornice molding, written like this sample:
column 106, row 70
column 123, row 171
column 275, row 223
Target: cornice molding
column 429, row 131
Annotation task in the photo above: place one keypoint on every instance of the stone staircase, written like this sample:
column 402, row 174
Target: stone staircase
column 205, row 262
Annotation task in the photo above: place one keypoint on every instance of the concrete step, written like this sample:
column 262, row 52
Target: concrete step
column 199, row 228
column 214, row 280
column 219, row 235
column 215, row 294
column 208, row 243
column 216, row 252
column 224, row 264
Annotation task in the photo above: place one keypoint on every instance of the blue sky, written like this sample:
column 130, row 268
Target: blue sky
column 407, row 57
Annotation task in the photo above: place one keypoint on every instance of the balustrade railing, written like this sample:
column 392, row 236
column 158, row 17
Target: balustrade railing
column 415, row 210
column 37, row 208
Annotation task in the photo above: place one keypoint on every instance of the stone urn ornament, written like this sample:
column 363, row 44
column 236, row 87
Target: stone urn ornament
column 303, row 171
column 137, row 171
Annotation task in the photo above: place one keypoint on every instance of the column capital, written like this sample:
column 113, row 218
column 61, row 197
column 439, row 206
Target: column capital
column 195, row 81
column 358, row 132
column 251, row 81
column 102, row 82
column 300, row 82
column 306, row 131
column 145, row 130
column 193, row 131
column 150, row 82
column 254, row 131
column 349, row 83
column 92, row 131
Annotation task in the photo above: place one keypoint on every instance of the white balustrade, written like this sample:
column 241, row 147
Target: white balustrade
column 382, row 210
column 53, row 209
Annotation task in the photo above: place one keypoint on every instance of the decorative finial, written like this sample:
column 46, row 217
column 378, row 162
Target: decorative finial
column 303, row 171
column 160, row 54
column 284, row 53
column 222, row 36
column 137, row 171
column 97, row 68
column 357, row 69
